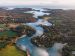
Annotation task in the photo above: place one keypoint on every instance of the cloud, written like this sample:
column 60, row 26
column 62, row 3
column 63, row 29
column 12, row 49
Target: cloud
column 57, row 3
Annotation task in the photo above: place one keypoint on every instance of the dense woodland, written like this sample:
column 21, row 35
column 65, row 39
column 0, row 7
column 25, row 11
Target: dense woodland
column 64, row 21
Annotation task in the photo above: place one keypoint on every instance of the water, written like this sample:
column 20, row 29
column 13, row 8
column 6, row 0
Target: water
column 38, row 13
column 24, row 43
column 39, row 30
column 56, row 50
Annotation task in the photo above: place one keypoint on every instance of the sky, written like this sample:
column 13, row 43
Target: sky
column 69, row 4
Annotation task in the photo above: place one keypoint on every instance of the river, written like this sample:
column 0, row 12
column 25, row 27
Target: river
column 24, row 43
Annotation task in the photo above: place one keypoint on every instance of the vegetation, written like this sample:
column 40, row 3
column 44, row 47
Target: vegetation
column 29, row 30
column 47, row 39
column 66, row 51
column 7, row 37
column 11, row 51
column 64, row 21
column 62, row 31
column 3, row 26
column 8, row 34
column 3, row 44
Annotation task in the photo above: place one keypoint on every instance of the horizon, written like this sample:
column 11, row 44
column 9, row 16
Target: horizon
column 54, row 4
column 36, row 6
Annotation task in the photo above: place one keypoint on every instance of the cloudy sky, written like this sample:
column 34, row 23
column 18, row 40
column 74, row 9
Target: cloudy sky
column 49, row 3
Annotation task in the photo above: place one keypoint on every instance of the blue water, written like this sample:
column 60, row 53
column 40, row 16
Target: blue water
column 38, row 28
column 34, row 50
column 25, row 41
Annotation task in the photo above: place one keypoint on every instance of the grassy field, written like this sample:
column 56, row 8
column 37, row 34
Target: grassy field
column 8, row 34
column 11, row 51
column 2, row 25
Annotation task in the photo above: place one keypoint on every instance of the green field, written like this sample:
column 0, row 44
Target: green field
column 11, row 51
column 8, row 50
column 2, row 25
column 8, row 34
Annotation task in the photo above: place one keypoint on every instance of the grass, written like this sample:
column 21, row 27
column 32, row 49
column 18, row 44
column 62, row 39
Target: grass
column 11, row 51
column 8, row 34
column 2, row 25
column 72, row 48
